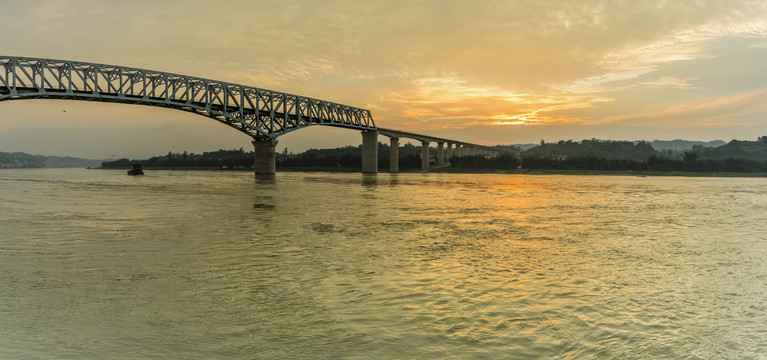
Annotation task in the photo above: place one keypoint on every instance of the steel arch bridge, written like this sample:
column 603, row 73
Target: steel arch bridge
column 262, row 114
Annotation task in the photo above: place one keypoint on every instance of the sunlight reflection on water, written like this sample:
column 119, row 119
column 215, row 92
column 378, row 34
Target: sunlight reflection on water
column 318, row 265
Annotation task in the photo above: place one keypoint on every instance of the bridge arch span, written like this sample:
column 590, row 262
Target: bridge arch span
column 262, row 114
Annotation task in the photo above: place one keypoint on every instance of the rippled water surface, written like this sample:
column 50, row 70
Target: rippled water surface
column 200, row 265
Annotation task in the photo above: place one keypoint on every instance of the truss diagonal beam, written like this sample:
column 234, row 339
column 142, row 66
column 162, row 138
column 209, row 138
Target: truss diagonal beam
column 262, row 114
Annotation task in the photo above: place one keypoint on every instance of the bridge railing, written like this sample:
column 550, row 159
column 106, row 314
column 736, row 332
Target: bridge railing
column 262, row 114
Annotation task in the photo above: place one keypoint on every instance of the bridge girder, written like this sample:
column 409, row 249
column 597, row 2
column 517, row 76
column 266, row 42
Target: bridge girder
column 260, row 113
column 397, row 134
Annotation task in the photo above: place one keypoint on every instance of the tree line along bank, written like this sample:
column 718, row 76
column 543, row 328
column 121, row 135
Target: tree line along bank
column 592, row 155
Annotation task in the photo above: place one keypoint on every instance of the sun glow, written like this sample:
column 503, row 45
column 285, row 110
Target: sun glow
column 500, row 69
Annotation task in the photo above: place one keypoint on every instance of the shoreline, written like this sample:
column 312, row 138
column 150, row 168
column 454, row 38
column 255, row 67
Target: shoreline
column 487, row 171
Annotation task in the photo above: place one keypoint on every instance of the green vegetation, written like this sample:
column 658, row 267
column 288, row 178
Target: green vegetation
column 563, row 156
column 231, row 159
column 505, row 161
column 20, row 160
column 593, row 155
column 624, row 150
column 341, row 159
column 629, row 157
column 350, row 157
column 751, row 150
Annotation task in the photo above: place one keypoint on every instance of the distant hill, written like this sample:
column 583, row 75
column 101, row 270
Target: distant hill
column 660, row 145
column 20, row 160
column 525, row 146
column 213, row 159
column 683, row 145
column 625, row 150
column 735, row 149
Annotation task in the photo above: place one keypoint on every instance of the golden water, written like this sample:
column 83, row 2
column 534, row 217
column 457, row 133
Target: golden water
column 199, row 265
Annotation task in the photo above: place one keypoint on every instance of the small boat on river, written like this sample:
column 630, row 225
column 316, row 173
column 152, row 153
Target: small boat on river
column 137, row 170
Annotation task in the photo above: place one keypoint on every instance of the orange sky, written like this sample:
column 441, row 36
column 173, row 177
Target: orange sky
column 493, row 72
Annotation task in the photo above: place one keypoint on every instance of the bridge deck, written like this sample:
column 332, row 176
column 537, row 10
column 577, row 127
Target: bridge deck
column 262, row 114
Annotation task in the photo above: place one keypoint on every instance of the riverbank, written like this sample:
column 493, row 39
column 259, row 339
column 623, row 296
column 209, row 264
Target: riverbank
column 449, row 170
column 646, row 173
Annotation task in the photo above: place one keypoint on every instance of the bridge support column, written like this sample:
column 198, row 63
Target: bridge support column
column 440, row 153
column 425, row 155
column 393, row 155
column 449, row 150
column 265, row 161
column 370, row 151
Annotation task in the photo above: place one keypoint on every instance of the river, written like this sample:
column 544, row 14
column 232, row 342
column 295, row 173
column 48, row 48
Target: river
column 96, row 264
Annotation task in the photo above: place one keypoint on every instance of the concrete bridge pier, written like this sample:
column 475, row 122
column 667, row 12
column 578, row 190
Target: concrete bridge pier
column 265, row 160
column 425, row 155
column 370, row 151
column 393, row 155
column 449, row 150
column 440, row 153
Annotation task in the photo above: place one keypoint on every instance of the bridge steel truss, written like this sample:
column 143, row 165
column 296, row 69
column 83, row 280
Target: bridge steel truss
column 262, row 114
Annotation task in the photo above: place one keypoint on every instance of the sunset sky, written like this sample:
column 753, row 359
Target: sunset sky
column 491, row 72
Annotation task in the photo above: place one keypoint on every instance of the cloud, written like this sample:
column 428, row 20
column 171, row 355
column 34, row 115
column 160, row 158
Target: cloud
column 716, row 112
column 451, row 102
column 618, row 60
column 669, row 81
column 430, row 64
column 632, row 62
column 451, row 89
